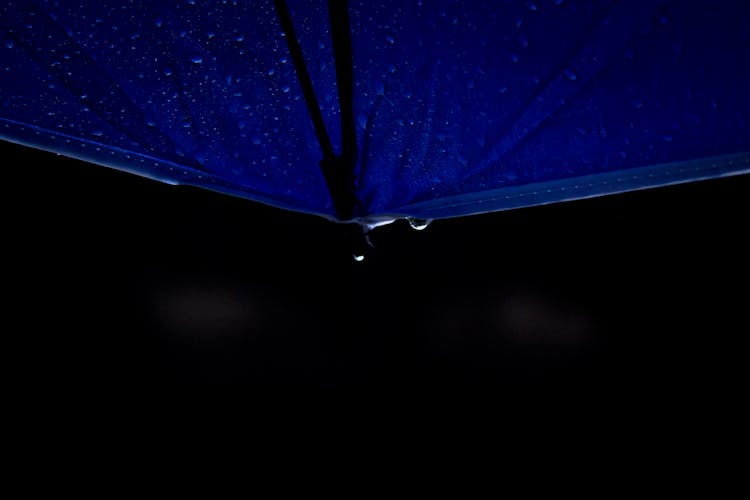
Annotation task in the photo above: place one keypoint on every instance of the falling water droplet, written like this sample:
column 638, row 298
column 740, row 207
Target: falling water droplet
column 418, row 224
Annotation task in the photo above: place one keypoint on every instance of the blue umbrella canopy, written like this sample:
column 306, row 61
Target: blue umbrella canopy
column 369, row 111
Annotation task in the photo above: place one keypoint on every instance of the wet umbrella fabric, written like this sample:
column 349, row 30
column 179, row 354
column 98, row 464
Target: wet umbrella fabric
column 449, row 109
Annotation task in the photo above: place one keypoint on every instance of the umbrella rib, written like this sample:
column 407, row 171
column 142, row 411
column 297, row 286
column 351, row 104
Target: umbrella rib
column 338, row 170
column 295, row 51
column 338, row 12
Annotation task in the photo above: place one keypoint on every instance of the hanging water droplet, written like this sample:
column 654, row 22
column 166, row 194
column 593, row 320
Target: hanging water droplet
column 418, row 224
column 358, row 257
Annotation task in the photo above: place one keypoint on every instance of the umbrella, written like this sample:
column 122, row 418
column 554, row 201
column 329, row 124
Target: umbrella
column 371, row 111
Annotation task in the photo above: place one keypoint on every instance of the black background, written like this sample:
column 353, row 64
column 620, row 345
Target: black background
column 117, row 280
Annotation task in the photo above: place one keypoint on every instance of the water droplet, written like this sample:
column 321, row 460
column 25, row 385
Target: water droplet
column 271, row 71
column 285, row 88
column 570, row 75
column 240, row 37
column 168, row 72
column 418, row 224
column 362, row 119
column 196, row 60
column 389, row 38
column 159, row 23
column 358, row 257
column 9, row 43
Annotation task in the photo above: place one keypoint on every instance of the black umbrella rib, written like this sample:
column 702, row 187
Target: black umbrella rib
column 285, row 18
column 338, row 171
column 338, row 13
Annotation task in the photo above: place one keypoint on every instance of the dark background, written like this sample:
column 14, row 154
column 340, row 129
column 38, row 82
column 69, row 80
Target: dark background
column 117, row 280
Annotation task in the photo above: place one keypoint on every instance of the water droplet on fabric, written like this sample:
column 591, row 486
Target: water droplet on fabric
column 362, row 119
column 418, row 224
column 196, row 60
column 285, row 88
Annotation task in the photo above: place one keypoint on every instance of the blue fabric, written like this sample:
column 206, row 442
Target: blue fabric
column 460, row 107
